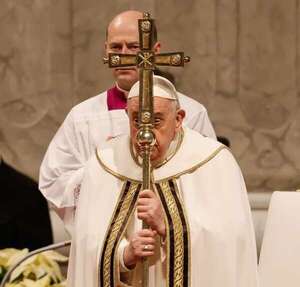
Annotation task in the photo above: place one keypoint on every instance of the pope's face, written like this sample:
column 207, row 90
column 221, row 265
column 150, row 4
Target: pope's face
column 167, row 122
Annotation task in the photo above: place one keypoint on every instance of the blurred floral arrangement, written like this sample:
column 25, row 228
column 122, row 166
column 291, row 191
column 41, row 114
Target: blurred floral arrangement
column 40, row 270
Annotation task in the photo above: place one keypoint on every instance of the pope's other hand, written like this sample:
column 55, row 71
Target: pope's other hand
column 141, row 245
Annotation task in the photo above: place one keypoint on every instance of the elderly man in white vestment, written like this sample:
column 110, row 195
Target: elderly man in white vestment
column 200, row 228
column 94, row 121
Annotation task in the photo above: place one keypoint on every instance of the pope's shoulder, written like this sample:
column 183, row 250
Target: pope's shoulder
column 200, row 150
column 195, row 145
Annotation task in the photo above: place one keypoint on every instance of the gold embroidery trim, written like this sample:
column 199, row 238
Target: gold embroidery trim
column 187, row 228
column 115, row 174
column 116, row 223
column 177, row 175
column 178, row 264
column 195, row 167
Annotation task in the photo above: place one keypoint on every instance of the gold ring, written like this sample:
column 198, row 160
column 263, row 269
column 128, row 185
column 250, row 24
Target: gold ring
column 146, row 247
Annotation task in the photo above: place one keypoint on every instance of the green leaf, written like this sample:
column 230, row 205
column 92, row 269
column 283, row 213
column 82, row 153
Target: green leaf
column 2, row 272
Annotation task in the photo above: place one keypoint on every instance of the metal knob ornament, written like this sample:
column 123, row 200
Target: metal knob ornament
column 145, row 137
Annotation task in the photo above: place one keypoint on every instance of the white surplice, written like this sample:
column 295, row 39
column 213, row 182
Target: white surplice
column 87, row 126
column 212, row 189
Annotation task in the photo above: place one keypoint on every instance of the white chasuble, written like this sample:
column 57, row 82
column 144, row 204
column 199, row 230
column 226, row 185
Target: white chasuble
column 90, row 125
column 210, row 238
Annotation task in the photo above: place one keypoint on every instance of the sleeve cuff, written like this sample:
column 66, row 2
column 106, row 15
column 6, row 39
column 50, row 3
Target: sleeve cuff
column 121, row 250
column 163, row 254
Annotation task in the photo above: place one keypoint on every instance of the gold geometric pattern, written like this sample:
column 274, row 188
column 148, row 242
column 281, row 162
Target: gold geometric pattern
column 176, row 265
column 119, row 221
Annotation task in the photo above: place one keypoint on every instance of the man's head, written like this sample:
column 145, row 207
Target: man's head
column 122, row 36
column 168, row 117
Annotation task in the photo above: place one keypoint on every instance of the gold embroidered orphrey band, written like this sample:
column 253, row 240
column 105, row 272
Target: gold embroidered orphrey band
column 108, row 259
column 178, row 243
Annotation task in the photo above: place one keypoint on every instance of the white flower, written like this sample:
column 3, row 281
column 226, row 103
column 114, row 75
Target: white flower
column 41, row 270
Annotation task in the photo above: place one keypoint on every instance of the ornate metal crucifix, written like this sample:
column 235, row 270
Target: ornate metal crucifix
column 146, row 61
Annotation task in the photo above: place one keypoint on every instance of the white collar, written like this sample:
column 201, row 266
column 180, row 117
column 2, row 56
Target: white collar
column 173, row 147
column 194, row 150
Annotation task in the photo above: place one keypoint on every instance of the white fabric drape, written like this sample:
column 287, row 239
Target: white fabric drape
column 223, row 251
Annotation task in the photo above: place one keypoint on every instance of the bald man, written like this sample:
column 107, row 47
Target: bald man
column 93, row 122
